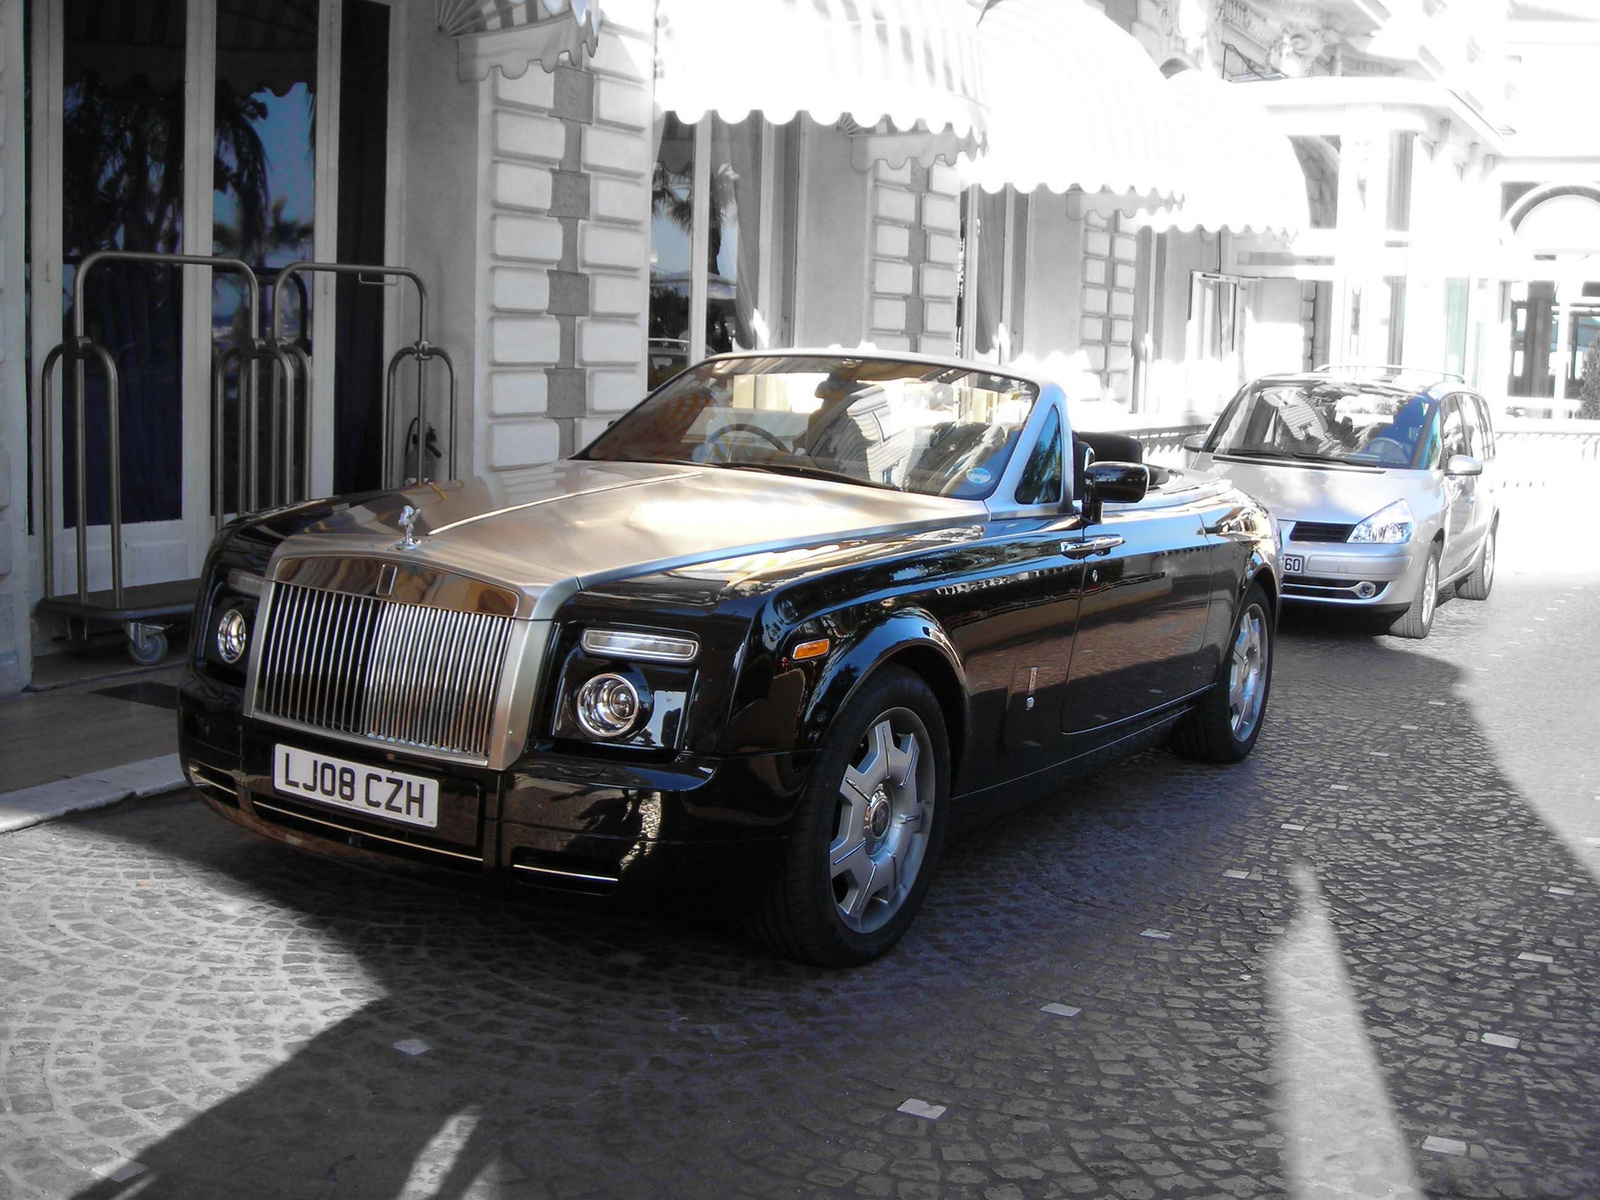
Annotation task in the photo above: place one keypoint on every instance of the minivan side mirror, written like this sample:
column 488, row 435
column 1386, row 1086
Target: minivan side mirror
column 1195, row 443
column 1463, row 464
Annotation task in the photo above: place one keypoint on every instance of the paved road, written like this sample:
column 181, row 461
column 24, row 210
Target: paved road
column 1364, row 963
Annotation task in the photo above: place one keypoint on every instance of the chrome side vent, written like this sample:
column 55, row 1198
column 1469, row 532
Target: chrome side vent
column 404, row 674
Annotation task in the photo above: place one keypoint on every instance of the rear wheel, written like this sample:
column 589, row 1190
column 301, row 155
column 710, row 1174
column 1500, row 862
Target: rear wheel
column 1476, row 585
column 868, row 829
column 1224, row 728
column 1417, row 621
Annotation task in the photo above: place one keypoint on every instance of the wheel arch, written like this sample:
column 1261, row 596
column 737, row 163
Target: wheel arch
column 909, row 638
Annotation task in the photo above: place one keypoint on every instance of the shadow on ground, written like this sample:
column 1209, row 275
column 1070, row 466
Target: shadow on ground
column 573, row 1053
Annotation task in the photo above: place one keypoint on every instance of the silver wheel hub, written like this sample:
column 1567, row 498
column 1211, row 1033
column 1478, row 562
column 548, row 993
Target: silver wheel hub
column 882, row 818
column 1430, row 591
column 1247, row 673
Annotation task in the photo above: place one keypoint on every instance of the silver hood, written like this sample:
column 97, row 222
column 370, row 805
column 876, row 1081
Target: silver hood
column 550, row 530
column 1341, row 495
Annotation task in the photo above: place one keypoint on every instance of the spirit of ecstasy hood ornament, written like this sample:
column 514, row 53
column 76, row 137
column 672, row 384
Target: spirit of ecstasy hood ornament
column 408, row 521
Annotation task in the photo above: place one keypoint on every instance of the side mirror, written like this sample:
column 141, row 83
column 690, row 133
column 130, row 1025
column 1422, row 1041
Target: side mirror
column 1117, row 482
column 1195, row 443
column 1463, row 464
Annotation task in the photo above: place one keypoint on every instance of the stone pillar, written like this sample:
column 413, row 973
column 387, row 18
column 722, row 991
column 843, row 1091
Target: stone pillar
column 565, row 277
column 15, row 642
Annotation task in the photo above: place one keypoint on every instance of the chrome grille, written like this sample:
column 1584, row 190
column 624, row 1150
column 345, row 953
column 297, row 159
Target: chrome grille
column 400, row 673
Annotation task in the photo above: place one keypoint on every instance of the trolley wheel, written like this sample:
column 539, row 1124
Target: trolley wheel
column 147, row 644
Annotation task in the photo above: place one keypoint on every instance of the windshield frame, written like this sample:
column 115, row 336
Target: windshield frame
column 1043, row 399
column 1418, row 461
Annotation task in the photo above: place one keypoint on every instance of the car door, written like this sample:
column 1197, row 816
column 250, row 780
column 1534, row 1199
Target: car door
column 1050, row 587
column 1460, row 491
column 1141, row 624
column 1484, row 487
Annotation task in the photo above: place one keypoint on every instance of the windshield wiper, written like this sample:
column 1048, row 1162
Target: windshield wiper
column 1295, row 455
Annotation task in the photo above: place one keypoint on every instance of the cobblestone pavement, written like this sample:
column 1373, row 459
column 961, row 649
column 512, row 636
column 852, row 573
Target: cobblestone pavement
column 1363, row 963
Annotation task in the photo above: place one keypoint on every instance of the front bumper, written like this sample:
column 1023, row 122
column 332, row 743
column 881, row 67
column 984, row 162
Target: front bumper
column 1354, row 575
column 551, row 821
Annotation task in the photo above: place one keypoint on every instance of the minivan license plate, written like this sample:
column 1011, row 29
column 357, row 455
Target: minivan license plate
column 1294, row 564
column 391, row 795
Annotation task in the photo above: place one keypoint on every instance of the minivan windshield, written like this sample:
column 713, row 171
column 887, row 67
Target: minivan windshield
column 1329, row 421
column 914, row 427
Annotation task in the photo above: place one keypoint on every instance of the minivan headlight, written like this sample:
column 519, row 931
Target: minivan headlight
column 1391, row 523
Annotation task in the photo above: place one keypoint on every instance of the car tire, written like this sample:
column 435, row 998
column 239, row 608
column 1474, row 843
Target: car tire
column 1476, row 585
column 1225, row 726
column 1417, row 621
column 841, row 896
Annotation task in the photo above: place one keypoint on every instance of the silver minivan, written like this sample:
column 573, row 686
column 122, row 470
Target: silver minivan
column 1383, row 489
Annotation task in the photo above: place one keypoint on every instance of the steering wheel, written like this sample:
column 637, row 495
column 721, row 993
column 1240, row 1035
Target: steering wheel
column 1387, row 449
column 745, row 427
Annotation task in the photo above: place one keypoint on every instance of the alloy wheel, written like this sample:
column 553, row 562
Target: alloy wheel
column 1488, row 560
column 882, row 820
column 1430, row 591
column 1248, row 673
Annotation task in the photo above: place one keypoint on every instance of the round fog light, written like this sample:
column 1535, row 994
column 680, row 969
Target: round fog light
column 232, row 633
column 607, row 706
column 1366, row 590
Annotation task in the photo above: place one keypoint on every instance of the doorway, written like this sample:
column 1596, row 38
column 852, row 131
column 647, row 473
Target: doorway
column 205, row 127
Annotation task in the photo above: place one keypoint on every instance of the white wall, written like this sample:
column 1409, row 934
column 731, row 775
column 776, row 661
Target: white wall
column 15, row 654
column 833, row 256
column 438, row 205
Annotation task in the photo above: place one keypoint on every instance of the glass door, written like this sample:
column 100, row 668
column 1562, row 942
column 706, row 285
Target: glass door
column 203, row 127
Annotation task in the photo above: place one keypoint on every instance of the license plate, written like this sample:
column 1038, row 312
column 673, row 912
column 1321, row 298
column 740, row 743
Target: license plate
column 1294, row 564
column 391, row 795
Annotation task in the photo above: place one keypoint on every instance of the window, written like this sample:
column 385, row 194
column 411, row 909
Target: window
column 1041, row 476
column 994, row 229
column 1471, row 420
column 721, row 203
column 1454, row 434
column 1485, row 429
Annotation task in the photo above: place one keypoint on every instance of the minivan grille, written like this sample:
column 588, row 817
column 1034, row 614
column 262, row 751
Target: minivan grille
column 399, row 673
column 1319, row 531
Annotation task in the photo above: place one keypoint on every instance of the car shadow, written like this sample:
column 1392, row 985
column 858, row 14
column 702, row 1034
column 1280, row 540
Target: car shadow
column 564, row 1051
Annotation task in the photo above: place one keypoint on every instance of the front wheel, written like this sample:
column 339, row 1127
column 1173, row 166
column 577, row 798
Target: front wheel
column 868, row 829
column 1225, row 726
column 1476, row 585
column 1417, row 621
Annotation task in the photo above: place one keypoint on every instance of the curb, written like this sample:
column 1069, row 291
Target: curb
column 47, row 801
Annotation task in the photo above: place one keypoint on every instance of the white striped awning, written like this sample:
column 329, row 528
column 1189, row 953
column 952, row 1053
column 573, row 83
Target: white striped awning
column 515, row 34
column 1245, row 173
column 1074, row 102
column 904, row 73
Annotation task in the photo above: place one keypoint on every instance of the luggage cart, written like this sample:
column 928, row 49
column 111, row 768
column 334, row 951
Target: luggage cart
column 144, row 611
column 289, row 362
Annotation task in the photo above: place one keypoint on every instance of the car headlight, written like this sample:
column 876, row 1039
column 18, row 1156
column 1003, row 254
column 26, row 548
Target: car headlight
column 233, row 633
column 1391, row 523
column 608, row 706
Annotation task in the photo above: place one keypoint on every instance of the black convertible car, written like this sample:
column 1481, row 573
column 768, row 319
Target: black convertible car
column 776, row 632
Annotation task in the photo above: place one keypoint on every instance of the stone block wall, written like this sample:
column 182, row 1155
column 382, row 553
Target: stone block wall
column 565, row 271
column 15, row 656
column 915, row 246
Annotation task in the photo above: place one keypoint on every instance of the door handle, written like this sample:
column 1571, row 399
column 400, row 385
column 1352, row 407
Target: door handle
column 1089, row 547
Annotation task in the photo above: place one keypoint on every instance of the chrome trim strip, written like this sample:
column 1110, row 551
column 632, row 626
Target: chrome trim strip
column 535, row 869
column 362, row 833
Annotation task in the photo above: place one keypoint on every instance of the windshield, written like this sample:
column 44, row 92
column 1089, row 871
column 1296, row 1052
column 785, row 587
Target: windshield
column 1326, row 421
column 915, row 427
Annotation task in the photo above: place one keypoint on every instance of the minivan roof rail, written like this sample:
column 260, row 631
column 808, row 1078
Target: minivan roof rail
column 1393, row 369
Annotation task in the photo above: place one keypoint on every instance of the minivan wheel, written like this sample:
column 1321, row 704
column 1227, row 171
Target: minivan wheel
column 1476, row 585
column 1417, row 621
column 867, row 831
